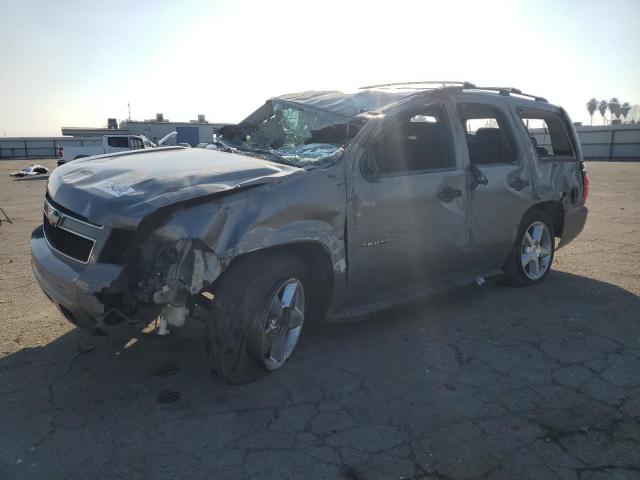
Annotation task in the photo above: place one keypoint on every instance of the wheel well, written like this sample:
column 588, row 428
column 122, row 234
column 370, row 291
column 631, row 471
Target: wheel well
column 555, row 211
column 318, row 262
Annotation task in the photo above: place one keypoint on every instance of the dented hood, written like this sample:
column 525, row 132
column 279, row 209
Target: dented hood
column 121, row 189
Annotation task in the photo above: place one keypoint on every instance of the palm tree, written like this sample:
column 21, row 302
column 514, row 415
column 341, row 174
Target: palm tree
column 592, row 106
column 614, row 108
column 625, row 108
column 602, row 108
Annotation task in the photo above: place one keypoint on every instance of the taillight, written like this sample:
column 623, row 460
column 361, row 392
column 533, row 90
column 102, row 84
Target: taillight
column 585, row 183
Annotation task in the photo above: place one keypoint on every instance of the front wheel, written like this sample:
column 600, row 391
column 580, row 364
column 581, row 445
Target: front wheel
column 532, row 255
column 257, row 316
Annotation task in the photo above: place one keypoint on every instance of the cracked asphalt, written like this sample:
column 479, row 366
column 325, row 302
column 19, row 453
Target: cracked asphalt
column 494, row 382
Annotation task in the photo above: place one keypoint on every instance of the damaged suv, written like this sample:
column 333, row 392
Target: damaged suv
column 318, row 205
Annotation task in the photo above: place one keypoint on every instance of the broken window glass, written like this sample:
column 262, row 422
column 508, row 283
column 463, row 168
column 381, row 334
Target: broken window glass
column 292, row 133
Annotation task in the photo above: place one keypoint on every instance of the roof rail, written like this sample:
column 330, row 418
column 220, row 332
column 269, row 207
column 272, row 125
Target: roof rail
column 442, row 83
column 511, row 91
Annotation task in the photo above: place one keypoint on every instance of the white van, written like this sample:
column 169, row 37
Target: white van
column 88, row 146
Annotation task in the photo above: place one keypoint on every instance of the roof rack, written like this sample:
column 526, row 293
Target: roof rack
column 431, row 85
column 511, row 91
column 442, row 83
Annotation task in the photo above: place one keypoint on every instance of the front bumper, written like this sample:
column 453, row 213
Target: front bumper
column 574, row 221
column 73, row 287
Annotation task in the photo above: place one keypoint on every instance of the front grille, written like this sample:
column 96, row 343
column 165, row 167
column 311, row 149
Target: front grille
column 67, row 243
column 66, row 211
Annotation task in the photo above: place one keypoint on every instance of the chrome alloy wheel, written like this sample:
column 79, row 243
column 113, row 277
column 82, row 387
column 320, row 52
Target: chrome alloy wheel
column 282, row 324
column 536, row 250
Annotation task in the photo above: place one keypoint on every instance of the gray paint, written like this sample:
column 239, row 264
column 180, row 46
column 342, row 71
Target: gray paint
column 401, row 241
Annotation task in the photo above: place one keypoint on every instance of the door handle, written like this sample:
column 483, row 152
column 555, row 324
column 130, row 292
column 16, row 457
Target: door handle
column 519, row 184
column 477, row 177
column 447, row 194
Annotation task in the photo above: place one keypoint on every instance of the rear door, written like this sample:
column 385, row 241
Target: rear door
column 407, row 207
column 496, row 207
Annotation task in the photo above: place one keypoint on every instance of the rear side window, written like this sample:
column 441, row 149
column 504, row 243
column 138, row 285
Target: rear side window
column 547, row 133
column 418, row 142
column 118, row 142
column 489, row 137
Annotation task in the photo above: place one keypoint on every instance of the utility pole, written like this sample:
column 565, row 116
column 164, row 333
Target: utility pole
column 129, row 107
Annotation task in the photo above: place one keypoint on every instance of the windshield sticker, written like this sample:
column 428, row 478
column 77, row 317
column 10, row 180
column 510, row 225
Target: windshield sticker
column 114, row 188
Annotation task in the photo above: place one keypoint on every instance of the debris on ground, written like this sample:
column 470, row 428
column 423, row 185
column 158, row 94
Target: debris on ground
column 30, row 171
column 6, row 217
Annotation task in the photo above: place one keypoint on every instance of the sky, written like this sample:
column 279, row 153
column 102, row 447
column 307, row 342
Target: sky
column 79, row 62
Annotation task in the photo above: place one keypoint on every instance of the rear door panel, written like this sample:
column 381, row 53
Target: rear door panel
column 496, row 209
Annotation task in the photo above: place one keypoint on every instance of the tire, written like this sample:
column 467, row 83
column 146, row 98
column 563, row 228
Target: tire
column 241, row 323
column 517, row 270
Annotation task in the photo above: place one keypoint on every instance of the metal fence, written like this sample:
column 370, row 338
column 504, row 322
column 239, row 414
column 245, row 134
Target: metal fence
column 38, row 147
column 610, row 142
column 607, row 142
column 28, row 147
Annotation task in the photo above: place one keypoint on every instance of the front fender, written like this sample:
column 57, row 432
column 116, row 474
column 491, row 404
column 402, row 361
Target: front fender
column 309, row 208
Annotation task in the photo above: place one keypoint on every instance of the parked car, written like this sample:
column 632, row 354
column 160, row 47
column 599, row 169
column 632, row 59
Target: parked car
column 319, row 205
column 89, row 146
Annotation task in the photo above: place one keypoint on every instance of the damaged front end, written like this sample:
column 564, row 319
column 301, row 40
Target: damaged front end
column 171, row 272
column 130, row 276
column 158, row 230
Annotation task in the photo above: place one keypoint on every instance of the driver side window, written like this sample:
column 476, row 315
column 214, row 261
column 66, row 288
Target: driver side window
column 419, row 142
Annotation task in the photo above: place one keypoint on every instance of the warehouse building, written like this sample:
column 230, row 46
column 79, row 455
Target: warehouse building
column 192, row 132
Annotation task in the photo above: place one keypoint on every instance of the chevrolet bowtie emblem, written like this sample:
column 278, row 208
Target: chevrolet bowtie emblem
column 54, row 216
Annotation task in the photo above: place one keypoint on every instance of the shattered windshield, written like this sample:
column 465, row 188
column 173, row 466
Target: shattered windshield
column 292, row 133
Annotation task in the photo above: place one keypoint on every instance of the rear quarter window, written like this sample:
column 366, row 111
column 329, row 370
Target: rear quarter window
column 118, row 142
column 548, row 134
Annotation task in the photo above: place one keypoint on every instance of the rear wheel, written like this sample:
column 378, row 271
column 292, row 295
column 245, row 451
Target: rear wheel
column 532, row 255
column 257, row 316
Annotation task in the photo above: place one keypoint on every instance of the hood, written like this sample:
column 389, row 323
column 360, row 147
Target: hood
column 121, row 189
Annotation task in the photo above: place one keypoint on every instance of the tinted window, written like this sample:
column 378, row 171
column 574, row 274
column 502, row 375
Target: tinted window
column 547, row 133
column 119, row 142
column 135, row 143
column 418, row 142
column 489, row 138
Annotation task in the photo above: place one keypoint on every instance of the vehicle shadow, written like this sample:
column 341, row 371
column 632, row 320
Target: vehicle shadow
column 31, row 179
column 404, row 372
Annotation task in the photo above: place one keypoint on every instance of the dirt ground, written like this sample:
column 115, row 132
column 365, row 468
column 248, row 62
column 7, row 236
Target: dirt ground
column 540, row 382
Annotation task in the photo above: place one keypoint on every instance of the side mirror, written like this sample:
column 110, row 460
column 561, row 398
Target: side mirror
column 477, row 177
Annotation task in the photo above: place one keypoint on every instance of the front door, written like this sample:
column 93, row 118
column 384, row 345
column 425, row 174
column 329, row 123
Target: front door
column 407, row 208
